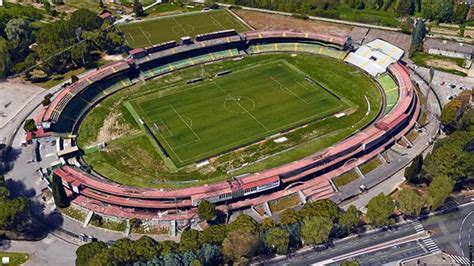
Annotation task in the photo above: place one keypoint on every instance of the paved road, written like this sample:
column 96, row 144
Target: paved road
column 451, row 230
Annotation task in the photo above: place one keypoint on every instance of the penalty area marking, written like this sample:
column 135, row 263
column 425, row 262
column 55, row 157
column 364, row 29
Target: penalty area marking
column 146, row 36
column 368, row 105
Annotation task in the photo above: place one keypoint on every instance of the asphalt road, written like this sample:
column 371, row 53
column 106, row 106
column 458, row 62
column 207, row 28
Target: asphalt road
column 451, row 233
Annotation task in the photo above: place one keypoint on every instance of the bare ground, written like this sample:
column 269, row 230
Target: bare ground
column 114, row 128
column 445, row 65
column 265, row 21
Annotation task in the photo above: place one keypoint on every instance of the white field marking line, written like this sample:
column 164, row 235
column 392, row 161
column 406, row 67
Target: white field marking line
column 166, row 128
column 181, row 26
column 460, row 230
column 368, row 105
column 148, row 39
column 131, row 36
column 234, row 17
column 185, row 122
column 284, row 88
column 164, row 139
column 245, row 110
column 277, row 129
column 171, row 90
column 217, row 23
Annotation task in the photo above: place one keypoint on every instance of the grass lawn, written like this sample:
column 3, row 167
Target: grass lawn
column 369, row 16
column 74, row 213
column 254, row 103
column 429, row 60
column 345, row 178
column 158, row 30
column 15, row 258
column 284, row 203
column 101, row 222
column 370, row 165
column 170, row 8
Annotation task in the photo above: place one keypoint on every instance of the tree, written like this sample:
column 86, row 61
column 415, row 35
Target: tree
column 19, row 31
column 47, row 99
column 30, row 125
column 103, row 258
column 214, row 234
column 439, row 10
column 350, row 218
column 47, row 6
column 412, row 173
column 316, row 229
column 325, row 208
column 350, row 263
column 410, row 201
column 123, row 251
column 210, row 254
column 277, row 239
column 189, row 240
column 380, row 209
column 419, row 34
column 59, row 194
column 289, row 216
column 101, row 4
column 87, row 251
column 14, row 213
column 243, row 223
column 146, row 248
column 238, row 246
column 85, row 19
column 138, row 8
column 439, row 190
column 267, row 223
column 206, row 210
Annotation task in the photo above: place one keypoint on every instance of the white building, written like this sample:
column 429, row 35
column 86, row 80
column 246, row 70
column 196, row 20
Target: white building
column 449, row 48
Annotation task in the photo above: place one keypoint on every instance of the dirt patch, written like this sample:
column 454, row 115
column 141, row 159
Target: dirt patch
column 445, row 65
column 114, row 128
column 264, row 21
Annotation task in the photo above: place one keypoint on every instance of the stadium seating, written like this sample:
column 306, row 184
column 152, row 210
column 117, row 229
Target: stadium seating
column 297, row 47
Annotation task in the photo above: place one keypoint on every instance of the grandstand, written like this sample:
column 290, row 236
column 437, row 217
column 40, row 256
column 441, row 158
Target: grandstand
column 310, row 177
column 375, row 56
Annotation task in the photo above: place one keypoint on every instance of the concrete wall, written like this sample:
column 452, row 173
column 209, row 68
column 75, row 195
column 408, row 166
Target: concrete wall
column 449, row 53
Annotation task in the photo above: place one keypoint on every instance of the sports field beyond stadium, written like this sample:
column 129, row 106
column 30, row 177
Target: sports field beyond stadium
column 223, row 113
column 153, row 31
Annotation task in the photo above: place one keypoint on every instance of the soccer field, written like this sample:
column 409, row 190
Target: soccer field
column 197, row 122
column 153, row 31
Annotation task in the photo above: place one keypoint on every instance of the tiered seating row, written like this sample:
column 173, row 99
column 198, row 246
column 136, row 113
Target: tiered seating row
column 167, row 67
column 297, row 47
column 391, row 91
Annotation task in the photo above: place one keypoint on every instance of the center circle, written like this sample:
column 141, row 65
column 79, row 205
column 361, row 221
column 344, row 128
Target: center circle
column 239, row 104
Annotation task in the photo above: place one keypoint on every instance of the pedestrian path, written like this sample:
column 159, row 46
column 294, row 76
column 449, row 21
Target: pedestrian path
column 460, row 259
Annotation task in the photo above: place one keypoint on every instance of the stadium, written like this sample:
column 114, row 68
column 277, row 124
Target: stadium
column 194, row 102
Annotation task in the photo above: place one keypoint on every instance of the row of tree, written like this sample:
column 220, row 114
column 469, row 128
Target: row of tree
column 439, row 10
column 315, row 224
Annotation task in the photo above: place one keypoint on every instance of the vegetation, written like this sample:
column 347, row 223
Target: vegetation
column 138, row 8
column 350, row 218
column 429, row 60
column 316, row 229
column 345, row 178
column 164, row 29
column 30, row 125
column 59, row 193
column 206, row 210
column 412, row 173
column 15, row 213
column 438, row 191
column 16, row 259
column 418, row 36
column 453, row 112
column 410, row 202
column 61, row 45
column 380, row 210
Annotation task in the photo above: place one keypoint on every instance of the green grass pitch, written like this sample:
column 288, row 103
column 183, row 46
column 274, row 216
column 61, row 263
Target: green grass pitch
column 153, row 31
column 200, row 121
